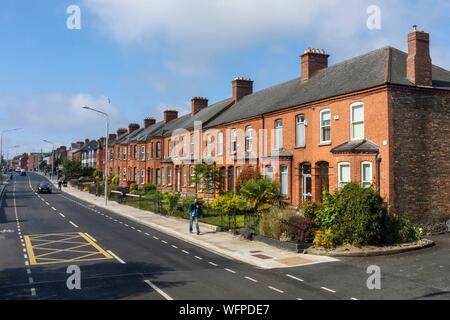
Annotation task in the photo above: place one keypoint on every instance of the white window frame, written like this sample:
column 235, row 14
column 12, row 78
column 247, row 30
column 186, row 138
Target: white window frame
column 286, row 176
column 142, row 153
column 233, row 140
column 300, row 125
column 192, row 144
column 248, row 139
column 158, row 177
column 183, row 146
column 278, row 137
column 352, row 123
column 220, row 143
column 323, row 126
column 208, row 145
column 163, row 176
column 341, row 183
column 142, row 176
column 266, row 171
column 191, row 177
column 363, row 182
column 169, row 176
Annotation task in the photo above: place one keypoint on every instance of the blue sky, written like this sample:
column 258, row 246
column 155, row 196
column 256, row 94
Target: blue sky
column 150, row 55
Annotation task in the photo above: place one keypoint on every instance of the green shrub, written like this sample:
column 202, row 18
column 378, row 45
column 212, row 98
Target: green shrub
column 133, row 188
column 272, row 223
column 230, row 203
column 170, row 202
column 97, row 174
column 262, row 194
column 115, row 180
column 324, row 238
column 148, row 188
column 398, row 230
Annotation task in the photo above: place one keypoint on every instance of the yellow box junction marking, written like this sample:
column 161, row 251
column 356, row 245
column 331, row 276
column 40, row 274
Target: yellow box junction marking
column 63, row 248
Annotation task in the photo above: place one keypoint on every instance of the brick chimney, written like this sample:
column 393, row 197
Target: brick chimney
column 313, row 60
column 133, row 127
column 102, row 142
column 112, row 137
column 419, row 66
column 198, row 103
column 170, row 115
column 121, row 132
column 242, row 87
column 149, row 122
column 86, row 141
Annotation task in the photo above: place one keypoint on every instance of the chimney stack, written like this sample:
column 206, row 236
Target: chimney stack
column 121, row 132
column 313, row 60
column 112, row 137
column 170, row 115
column 242, row 87
column 86, row 141
column 133, row 127
column 102, row 142
column 419, row 66
column 198, row 103
column 149, row 122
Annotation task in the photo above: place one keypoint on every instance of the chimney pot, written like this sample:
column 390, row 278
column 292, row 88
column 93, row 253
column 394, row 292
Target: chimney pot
column 242, row 87
column 112, row 137
column 312, row 61
column 121, row 132
column 198, row 103
column 419, row 65
column 149, row 122
column 133, row 127
column 170, row 115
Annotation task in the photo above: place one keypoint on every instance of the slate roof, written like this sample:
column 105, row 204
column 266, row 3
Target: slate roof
column 357, row 146
column 91, row 145
column 382, row 66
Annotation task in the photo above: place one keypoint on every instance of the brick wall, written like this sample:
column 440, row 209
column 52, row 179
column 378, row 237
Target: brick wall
column 421, row 156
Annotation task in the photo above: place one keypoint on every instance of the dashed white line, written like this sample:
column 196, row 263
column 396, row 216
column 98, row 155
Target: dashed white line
column 25, row 256
column 199, row 258
column 229, row 270
column 251, row 279
column 163, row 241
column 275, row 289
column 73, row 224
column 353, row 298
column 62, row 215
column 33, row 291
column 295, row 278
column 187, row 252
column 93, row 239
column 27, row 263
column 47, row 203
column 147, row 234
column 53, row 208
column 327, row 289
column 213, row 264
column 162, row 293
column 174, row 246
column 30, row 280
column 156, row 238
column 116, row 257
column 28, row 271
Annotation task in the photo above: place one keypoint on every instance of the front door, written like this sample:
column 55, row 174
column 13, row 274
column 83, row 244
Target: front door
column 230, row 179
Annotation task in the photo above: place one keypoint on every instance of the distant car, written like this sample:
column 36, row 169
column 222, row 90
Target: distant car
column 23, row 172
column 44, row 187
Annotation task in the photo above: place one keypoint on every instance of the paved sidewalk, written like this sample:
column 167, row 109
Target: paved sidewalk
column 255, row 253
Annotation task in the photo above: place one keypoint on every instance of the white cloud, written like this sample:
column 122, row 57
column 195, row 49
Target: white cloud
column 56, row 117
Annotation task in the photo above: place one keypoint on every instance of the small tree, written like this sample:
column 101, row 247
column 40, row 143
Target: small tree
column 247, row 174
column 72, row 169
column 209, row 175
column 262, row 194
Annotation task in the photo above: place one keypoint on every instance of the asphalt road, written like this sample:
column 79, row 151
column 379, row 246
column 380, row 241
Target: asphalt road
column 143, row 263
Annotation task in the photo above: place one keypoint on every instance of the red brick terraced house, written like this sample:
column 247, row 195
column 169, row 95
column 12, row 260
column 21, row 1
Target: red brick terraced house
column 381, row 119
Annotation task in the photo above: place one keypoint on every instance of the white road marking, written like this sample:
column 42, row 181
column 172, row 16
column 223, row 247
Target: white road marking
column 251, row 279
column 295, row 278
column 115, row 256
column 275, row 289
column 187, row 252
column 299, row 299
column 90, row 236
column 353, row 298
column 162, row 293
column 139, row 231
column 126, row 225
column 174, row 246
column 213, row 264
column 53, row 208
column 229, row 270
column 62, row 215
column 327, row 289
column 27, row 263
column 30, row 280
column 47, row 203
column 28, row 271
column 73, row 224
column 163, row 241
column 199, row 258
column 33, row 291
column 156, row 238
column 25, row 256
column 146, row 234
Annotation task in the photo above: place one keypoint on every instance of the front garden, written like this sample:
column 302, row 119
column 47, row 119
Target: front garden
column 353, row 216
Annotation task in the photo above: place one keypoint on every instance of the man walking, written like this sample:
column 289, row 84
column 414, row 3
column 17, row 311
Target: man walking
column 194, row 211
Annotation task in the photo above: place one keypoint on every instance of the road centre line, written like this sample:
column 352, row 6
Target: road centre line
column 327, row 289
column 115, row 256
column 154, row 287
column 275, row 289
column 73, row 224
column 295, row 278
column 251, row 279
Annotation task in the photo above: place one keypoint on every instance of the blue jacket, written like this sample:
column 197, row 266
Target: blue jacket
column 194, row 209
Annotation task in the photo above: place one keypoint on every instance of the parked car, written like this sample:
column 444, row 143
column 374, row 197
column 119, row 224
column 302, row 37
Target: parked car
column 44, row 187
column 23, row 172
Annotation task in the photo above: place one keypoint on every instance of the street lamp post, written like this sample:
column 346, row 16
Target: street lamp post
column 53, row 158
column 106, row 173
column 7, row 153
column 1, row 143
